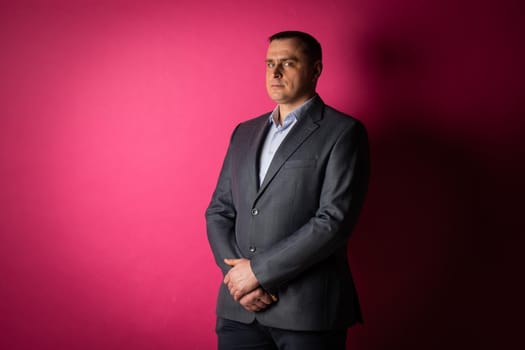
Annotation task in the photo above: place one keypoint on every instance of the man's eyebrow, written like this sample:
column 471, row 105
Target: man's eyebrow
column 291, row 58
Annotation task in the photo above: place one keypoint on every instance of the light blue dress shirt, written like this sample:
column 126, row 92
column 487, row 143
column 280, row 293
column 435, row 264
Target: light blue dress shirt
column 277, row 134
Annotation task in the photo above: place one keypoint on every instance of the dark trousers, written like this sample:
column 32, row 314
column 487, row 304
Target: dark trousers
column 234, row 335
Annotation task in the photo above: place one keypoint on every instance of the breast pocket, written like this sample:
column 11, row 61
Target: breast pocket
column 300, row 163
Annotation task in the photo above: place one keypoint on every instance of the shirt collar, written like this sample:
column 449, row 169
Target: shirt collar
column 296, row 114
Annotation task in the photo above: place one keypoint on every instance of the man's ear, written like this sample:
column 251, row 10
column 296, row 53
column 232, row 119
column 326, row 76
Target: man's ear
column 318, row 68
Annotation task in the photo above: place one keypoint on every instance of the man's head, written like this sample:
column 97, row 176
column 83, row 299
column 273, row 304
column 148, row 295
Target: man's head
column 293, row 66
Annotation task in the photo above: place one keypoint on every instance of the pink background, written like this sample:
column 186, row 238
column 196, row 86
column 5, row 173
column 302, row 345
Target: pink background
column 115, row 117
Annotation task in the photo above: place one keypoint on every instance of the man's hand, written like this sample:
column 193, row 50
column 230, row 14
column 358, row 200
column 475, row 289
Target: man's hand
column 257, row 300
column 240, row 279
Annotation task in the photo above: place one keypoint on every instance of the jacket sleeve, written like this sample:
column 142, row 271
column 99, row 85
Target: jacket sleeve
column 221, row 215
column 342, row 195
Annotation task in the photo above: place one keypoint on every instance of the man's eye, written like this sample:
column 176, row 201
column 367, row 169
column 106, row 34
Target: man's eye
column 288, row 64
column 270, row 64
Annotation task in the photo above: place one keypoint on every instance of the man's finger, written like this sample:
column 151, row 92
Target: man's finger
column 260, row 305
column 266, row 299
column 230, row 288
column 261, row 298
column 251, row 307
column 235, row 293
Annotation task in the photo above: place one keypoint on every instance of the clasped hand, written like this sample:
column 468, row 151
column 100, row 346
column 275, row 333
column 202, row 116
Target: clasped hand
column 244, row 287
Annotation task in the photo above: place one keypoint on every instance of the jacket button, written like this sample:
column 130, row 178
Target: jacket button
column 255, row 211
column 252, row 249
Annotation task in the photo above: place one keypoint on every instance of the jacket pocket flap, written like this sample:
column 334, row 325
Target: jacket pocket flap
column 300, row 163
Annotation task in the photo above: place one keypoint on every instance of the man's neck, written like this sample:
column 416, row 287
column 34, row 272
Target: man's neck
column 286, row 108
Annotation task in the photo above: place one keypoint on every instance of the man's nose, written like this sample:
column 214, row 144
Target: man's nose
column 277, row 71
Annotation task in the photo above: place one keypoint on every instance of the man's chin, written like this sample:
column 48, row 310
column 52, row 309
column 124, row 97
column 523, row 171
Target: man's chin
column 279, row 98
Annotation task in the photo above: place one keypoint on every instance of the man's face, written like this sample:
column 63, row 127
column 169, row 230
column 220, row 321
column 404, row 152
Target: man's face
column 290, row 76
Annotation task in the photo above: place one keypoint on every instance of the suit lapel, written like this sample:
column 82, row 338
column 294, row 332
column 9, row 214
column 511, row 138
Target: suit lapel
column 300, row 132
column 258, row 138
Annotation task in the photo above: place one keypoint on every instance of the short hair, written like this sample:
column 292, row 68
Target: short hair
column 311, row 46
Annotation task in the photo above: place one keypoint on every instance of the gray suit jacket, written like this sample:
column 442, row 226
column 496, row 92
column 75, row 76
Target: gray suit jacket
column 295, row 226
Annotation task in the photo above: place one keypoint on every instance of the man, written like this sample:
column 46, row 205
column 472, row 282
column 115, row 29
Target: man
column 288, row 195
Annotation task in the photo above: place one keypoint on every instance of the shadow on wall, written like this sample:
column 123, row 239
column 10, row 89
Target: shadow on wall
column 437, row 247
